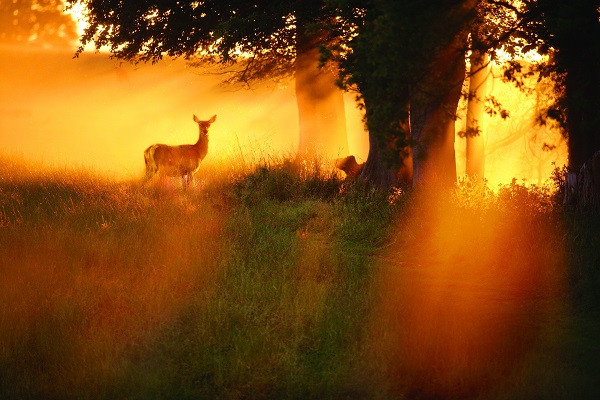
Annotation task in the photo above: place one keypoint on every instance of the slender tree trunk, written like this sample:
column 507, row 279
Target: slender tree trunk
column 475, row 165
column 322, row 119
column 405, row 173
column 432, row 114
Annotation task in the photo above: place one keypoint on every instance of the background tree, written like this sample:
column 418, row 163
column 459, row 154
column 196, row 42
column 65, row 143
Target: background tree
column 36, row 21
column 488, row 31
column 260, row 39
column 477, row 93
column 520, row 136
column 567, row 34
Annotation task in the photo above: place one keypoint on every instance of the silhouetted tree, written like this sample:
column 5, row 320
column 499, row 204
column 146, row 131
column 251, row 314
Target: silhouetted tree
column 404, row 59
column 407, row 58
column 263, row 39
column 569, row 34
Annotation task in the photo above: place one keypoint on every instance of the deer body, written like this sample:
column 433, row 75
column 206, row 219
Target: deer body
column 183, row 160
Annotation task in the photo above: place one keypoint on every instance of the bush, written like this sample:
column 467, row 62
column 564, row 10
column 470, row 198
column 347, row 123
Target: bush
column 287, row 181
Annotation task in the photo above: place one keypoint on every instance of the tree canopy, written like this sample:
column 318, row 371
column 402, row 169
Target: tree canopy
column 261, row 34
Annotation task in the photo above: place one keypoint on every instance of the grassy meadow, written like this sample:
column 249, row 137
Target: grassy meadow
column 280, row 281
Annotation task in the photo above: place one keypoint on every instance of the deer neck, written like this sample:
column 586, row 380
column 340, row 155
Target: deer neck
column 202, row 143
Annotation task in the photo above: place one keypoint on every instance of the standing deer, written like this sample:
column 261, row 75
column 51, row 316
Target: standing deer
column 183, row 160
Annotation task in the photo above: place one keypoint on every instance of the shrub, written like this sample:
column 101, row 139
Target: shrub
column 287, row 180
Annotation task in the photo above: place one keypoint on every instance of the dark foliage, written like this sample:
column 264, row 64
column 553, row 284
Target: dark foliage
column 259, row 37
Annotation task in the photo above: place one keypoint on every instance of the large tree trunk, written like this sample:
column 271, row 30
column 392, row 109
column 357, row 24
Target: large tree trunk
column 375, row 171
column 432, row 116
column 582, row 190
column 579, row 54
column 322, row 119
column 475, row 165
column 583, row 121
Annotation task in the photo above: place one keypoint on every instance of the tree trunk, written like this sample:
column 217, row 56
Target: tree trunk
column 322, row 119
column 583, row 189
column 475, row 165
column 579, row 54
column 433, row 105
column 583, row 122
column 375, row 171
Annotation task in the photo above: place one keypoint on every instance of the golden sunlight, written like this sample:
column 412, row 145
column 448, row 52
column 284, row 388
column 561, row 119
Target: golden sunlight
column 77, row 12
column 517, row 146
column 101, row 114
column 277, row 281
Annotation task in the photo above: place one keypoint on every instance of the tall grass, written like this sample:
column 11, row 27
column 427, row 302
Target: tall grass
column 280, row 280
column 91, row 270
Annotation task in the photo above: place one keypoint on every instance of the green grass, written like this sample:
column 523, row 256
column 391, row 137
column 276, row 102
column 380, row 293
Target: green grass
column 280, row 280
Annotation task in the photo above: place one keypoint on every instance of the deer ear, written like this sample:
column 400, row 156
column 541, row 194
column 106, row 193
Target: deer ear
column 196, row 119
column 213, row 119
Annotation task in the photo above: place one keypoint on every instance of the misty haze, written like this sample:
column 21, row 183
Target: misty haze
column 100, row 114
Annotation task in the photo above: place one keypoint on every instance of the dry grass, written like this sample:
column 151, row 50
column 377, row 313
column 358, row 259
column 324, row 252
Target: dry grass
column 91, row 270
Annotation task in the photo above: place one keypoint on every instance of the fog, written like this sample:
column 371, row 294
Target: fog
column 100, row 114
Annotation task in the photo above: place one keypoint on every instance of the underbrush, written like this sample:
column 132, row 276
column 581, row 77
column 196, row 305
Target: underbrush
column 284, row 281
column 287, row 180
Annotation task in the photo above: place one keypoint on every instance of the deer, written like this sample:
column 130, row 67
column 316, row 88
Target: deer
column 178, row 161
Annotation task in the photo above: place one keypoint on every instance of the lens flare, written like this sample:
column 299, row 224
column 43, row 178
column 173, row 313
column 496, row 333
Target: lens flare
column 468, row 299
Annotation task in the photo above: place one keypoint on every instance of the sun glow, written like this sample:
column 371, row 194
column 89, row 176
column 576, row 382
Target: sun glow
column 77, row 12
column 461, row 307
column 123, row 108
column 101, row 114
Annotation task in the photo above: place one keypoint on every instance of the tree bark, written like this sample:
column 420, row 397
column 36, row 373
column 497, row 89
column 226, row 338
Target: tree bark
column 433, row 104
column 583, row 189
column 475, row 163
column 321, row 113
column 578, row 42
column 375, row 172
column 583, row 123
